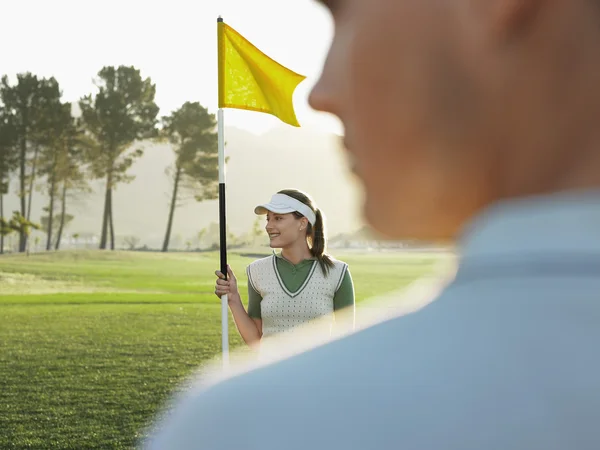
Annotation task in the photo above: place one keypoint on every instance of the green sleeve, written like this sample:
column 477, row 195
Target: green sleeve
column 344, row 297
column 254, row 300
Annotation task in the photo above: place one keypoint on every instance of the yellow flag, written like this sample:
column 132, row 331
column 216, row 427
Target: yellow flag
column 249, row 79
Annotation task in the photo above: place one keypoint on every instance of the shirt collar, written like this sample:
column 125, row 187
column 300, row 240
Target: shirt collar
column 562, row 222
column 280, row 256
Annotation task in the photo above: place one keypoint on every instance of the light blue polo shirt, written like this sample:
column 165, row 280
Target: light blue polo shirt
column 507, row 358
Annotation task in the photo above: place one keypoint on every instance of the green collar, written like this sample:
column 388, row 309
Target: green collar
column 280, row 256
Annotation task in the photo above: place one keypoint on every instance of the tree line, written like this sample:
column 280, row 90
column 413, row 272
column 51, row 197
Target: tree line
column 46, row 144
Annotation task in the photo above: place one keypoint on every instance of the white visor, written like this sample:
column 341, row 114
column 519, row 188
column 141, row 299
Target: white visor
column 284, row 204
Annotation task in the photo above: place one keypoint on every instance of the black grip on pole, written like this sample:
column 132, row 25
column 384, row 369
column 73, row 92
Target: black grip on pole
column 223, row 229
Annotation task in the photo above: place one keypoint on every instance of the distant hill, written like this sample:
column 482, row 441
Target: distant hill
column 285, row 157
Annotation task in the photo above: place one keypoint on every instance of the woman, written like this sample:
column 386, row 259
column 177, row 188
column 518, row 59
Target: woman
column 299, row 285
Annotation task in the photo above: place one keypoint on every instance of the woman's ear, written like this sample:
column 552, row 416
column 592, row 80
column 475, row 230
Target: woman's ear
column 303, row 223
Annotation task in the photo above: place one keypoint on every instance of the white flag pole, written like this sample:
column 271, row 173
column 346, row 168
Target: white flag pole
column 223, row 232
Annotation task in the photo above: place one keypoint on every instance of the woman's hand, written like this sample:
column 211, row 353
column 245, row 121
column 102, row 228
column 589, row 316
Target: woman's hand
column 227, row 287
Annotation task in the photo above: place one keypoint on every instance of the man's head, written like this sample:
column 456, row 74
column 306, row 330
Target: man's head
column 449, row 106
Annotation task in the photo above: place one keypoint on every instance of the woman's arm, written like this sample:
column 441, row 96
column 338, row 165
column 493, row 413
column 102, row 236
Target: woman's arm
column 344, row 305
column 250, row 329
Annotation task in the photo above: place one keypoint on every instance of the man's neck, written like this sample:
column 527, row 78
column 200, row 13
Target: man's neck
column 558, row 223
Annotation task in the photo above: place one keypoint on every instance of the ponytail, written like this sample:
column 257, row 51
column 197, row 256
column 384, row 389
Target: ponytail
column 319, row 242
column 315, row 234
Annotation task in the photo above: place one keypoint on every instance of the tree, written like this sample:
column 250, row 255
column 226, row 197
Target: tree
column 75, row 237
column 21, row 225
column 66, row 219
column 122, row 112
column 8, row 163
column 62, row 163
column 131, row 241
column 212, row 236
column 71, row 174
column 19, row 102
column 200, row 237
column 48, row 121
column 257, row 230
column 5, row 230
column 26, row 103
column 55, row 130
column 191, row 131
column 36, row 243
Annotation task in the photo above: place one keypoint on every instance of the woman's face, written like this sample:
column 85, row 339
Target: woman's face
column 285, row 230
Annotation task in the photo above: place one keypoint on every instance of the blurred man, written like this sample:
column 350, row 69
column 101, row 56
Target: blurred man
column 475, row 121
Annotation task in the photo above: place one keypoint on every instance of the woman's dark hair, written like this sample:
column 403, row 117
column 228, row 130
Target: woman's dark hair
column 315, row 234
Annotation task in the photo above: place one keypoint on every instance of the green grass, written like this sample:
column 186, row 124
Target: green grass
column 93, row 343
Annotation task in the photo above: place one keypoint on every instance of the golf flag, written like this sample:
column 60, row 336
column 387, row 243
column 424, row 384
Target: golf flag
column 249, row 79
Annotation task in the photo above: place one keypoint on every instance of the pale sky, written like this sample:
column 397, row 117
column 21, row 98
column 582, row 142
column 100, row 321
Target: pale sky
column 173, row 42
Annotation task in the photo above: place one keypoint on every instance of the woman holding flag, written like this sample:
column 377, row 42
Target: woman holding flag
column 301, row 284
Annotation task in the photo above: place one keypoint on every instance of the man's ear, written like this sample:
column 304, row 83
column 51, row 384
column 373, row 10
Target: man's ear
column 505, row 19
column 510, row 18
